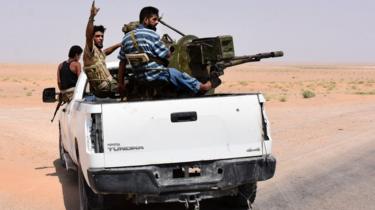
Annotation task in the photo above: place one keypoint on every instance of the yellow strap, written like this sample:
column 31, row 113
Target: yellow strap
column 135, row 43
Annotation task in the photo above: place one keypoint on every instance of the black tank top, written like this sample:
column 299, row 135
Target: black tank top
column 67, row 77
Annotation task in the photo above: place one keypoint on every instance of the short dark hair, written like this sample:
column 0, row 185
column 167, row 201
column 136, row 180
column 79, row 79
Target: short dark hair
column 75, row 50
column 99, row 28
column 147, row 12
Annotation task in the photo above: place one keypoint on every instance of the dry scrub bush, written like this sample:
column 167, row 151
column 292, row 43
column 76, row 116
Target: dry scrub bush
column 308, row 94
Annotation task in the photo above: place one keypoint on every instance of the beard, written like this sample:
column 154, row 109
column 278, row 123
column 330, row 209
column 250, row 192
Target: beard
column 151, row 27
column 99, row 45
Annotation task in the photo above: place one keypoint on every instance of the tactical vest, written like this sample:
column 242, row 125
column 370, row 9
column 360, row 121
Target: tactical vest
column 160, row 61
column 101, row 81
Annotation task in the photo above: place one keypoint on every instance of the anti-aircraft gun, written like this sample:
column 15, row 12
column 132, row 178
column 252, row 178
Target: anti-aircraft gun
column 200, row 56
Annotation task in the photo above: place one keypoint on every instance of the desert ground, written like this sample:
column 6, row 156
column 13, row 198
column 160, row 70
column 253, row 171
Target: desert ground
column 323, row 130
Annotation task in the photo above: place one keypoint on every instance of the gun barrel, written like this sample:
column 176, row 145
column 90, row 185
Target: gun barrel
column 170, row 27
column 252, row 58
column 261, row 55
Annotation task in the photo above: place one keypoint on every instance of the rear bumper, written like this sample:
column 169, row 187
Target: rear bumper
column 163, row 179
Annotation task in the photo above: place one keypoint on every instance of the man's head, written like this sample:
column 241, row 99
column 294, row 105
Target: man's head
column 75, row 52
column 149, row 17
column 99, row 36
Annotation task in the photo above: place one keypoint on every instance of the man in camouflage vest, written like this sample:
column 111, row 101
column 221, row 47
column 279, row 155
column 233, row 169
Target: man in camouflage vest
column 101, row 81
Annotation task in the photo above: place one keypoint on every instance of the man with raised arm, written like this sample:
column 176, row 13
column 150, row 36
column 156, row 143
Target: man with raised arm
column 101, row 81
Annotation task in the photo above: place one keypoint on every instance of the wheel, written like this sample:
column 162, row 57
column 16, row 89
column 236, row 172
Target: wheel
column 61, row 150
column 245, row 197
column 88, row 200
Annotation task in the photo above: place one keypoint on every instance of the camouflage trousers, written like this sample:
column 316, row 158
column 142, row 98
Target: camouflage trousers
column 66, row 95
column 101, row 81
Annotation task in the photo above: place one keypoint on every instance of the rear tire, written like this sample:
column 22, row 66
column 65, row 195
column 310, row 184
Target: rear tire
column 88, row 200
column 61, row 150
column 245, row 197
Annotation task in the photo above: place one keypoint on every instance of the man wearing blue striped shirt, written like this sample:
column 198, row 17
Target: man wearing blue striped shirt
column 144, row 39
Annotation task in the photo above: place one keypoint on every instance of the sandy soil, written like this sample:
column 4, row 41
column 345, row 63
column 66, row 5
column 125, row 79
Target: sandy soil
column 325, row 145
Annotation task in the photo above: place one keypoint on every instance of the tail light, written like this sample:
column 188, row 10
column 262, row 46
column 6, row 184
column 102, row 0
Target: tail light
column 96, row 133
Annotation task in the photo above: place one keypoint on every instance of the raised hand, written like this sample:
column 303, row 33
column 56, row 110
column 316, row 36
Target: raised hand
column 94, row 10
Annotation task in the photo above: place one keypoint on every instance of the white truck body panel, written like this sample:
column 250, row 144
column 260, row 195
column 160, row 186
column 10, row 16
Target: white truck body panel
column 226, row 127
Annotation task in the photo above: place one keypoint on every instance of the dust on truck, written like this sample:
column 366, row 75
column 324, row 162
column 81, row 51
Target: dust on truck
column 159, row 145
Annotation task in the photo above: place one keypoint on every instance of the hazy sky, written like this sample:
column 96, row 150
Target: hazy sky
column 325, row 31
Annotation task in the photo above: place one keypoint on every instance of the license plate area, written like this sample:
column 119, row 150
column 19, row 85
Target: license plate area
column 186, row 172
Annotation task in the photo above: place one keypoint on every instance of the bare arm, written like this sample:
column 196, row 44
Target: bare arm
column 121, row 74
column 90, row 26
column 110, row 49
column 77, row 68
column 58, row 77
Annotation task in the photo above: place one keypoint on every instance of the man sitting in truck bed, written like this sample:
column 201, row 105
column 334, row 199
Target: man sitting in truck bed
column 101, row 81
column 144, row 39
column 68, row 72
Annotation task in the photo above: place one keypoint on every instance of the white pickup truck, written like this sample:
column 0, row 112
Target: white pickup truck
column 173, row 150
